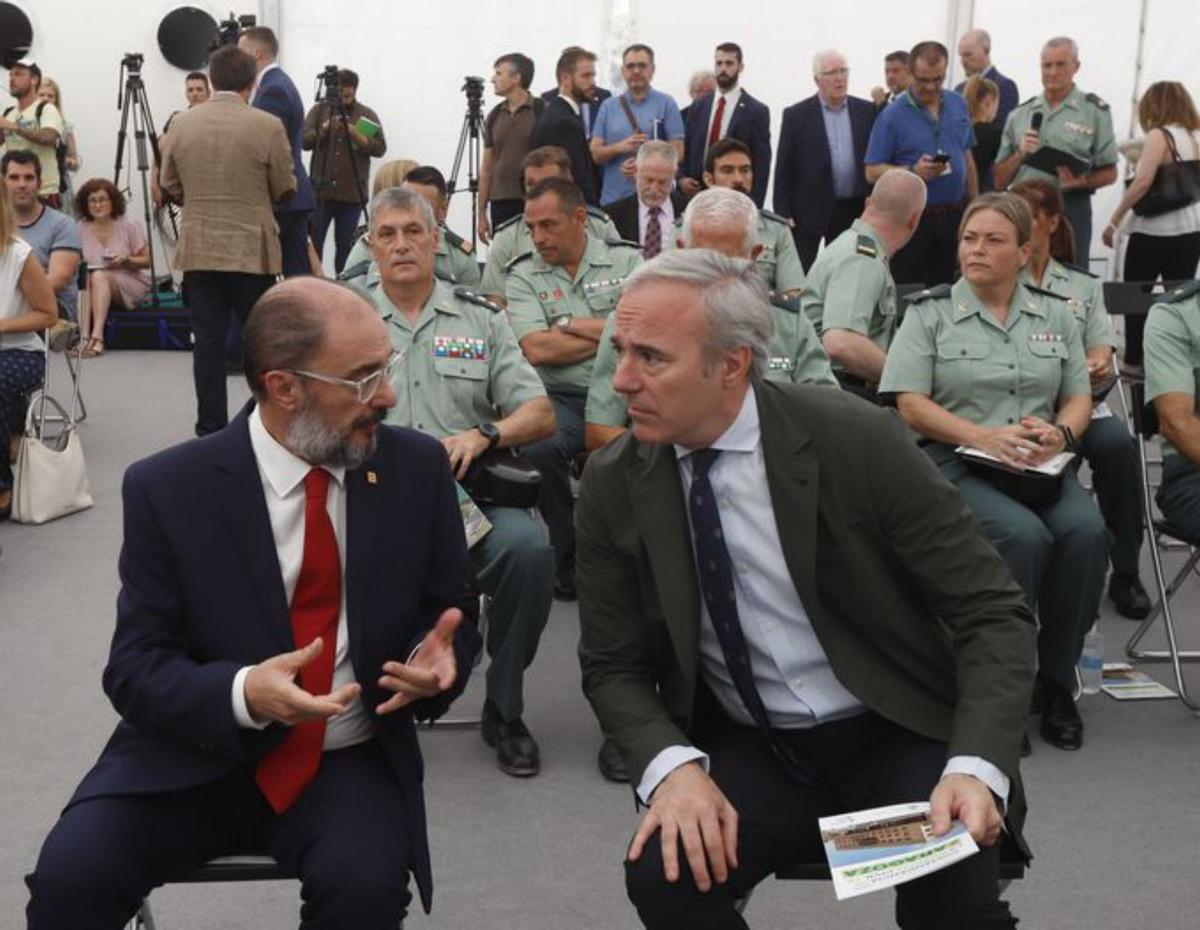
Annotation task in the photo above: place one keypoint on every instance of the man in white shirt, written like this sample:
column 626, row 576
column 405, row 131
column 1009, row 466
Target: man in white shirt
column 290, row 601
column 785, row 613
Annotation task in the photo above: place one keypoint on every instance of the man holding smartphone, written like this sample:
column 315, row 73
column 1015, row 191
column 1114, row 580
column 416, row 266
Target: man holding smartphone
column 929, row 132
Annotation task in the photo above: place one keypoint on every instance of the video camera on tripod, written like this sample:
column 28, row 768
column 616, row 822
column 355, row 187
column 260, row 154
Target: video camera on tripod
column 328, row 85
column 135, row 109
column 229, row 29
column 469, row 144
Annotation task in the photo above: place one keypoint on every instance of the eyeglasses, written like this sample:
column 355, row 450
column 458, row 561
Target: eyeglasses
column 364, row 388
column 834, row 73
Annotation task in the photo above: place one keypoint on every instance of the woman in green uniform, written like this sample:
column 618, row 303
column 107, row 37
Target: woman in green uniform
column 996, row 366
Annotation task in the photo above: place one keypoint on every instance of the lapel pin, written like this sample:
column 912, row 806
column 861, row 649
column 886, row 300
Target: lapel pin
column 372, row 478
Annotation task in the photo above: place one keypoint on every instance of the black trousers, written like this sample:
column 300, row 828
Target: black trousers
column 553, row 457
column 931, row 256
column 344, row 217
column 501, row 211
column 844, row 213
column 859, row 763
column 346, row 839
column 1147, row 258
column 293, row 239
column 217, row 299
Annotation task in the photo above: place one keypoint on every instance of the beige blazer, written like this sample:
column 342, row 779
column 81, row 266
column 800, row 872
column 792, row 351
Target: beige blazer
column 228, row 164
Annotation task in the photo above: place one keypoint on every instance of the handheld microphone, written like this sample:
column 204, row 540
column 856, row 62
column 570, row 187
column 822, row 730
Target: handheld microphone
column 1036, row 123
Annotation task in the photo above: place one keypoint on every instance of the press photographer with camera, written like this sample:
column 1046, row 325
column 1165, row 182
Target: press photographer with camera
column 343, row 135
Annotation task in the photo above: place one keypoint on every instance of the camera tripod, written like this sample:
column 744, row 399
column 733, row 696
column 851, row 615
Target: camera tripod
column 131, row 99
column 469, row 143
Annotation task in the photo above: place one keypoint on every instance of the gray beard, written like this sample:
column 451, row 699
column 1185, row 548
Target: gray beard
column 317, row 444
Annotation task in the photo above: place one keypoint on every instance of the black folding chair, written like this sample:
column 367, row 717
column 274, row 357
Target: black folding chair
column 240, row 867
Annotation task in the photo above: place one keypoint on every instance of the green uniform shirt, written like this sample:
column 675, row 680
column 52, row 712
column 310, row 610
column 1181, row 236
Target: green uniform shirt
column 1172, row 347
column 450, row 264
column 850, row 287
column 461, row 364
column 539, row 293
column 1081, row 125
column 951, row 349
column 512, row 239
column 1085, row 297
column 795, row 355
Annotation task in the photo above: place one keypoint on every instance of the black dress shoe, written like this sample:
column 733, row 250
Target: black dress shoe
column 1062, row 726
column 1130, row 598
column 612, row 766
column 516, row 752
column 564, row 586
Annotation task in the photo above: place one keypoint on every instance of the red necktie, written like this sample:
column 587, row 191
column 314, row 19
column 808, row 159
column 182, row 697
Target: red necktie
column 653, row 244
column 316, row 603
column 714, row 134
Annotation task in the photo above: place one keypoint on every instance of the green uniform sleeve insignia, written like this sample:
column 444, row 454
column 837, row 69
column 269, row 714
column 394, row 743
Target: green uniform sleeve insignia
column 517, row 259
column 1182, row 292
column 942, row 290
column 1092, row 98
column 866, row 246
column 465, row 293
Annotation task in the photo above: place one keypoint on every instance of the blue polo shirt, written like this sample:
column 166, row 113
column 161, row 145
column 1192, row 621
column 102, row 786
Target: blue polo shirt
column 905, row 131
column 657, row 116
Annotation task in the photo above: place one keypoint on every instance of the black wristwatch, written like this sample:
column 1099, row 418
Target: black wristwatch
column 1070, row 442
column 490, row 433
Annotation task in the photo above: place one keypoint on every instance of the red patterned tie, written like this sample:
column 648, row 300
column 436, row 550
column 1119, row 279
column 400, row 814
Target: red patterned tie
column 653, row 244
column 714, row 134
column 290, row 767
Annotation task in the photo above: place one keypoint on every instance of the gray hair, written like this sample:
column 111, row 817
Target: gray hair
column 1063, row 42
column 898, row 194
column 397, row 198
column 658, row 148
column 698, row 78
column 979, row 36
column 827, row 53
column 723, row 205
column 733, row 298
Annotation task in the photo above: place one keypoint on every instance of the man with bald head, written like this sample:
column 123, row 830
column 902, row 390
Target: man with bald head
column 850, row 296
column 975, row 53
column 292, row 595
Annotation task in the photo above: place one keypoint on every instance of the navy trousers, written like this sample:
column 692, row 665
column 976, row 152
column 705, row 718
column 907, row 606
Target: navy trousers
column 346, row 839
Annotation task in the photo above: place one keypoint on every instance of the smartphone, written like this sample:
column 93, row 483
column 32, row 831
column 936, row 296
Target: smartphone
column 941, row 158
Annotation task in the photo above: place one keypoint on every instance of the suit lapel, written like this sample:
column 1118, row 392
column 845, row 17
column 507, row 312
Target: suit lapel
column 244, row 506
column 662, row 524
column 793, row 479
column 362, row 528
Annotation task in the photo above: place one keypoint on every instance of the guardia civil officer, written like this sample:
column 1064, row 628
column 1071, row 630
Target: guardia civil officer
column 850, row 296
column 1066, row 118
column 994, row 365
column 558, row 299
column 463, row 380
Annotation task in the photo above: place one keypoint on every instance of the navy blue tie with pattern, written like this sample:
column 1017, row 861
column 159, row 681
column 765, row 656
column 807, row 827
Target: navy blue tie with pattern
column 716, row 584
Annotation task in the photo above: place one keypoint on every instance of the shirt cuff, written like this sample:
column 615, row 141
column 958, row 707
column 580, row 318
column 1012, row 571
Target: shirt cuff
column 241, row 713
column 981, row 769
column 664, row 764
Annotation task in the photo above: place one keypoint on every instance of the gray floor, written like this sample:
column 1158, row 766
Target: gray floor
column 1115, row 826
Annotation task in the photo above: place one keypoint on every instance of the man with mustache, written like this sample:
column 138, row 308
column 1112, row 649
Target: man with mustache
column 292, row 596
column 463, row 380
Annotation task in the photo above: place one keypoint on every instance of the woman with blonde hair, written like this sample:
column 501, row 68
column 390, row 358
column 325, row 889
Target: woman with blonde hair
column 27, row 307
column 69, row 161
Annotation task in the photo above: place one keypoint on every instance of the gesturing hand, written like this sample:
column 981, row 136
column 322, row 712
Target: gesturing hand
column 431, row 671
column 272, row 693
column 965, row 798
column 688, row 805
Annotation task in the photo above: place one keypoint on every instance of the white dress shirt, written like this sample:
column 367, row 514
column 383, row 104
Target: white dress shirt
column 283, row 476
column 574, row 104
column 791, row 671
column 666, row 222
column 732, row 97
column 258, row 79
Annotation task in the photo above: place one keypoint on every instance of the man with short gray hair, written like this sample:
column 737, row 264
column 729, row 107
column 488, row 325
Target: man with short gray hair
column 975, row 53
column 786, row 613
column 647, row 216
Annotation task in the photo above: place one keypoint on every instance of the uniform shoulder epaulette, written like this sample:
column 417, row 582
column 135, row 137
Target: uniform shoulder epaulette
column 1180, row 292
column 465, row 293
column 625, row 242
column 517, row 259
column 1080, row 269
column 1046, row 293
column 360, row 231
column 508, row 222
column 595, row 211
column 355, row 271
column 773, row 217
column 1028, row 101
column 941, row 290
column 458, row 241
column 1092, row 98
column 866, row 246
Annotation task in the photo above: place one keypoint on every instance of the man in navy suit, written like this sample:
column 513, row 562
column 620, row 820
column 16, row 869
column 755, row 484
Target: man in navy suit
column 740, row 116
column 275, row 93
column 561, row 123
column 820, row 186
column 975, row 53
column 290, row 601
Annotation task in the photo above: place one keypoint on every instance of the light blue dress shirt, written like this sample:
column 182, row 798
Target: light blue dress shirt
column 841, row 149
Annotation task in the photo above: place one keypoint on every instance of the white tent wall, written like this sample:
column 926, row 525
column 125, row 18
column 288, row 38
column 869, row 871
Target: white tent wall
column 412, row 57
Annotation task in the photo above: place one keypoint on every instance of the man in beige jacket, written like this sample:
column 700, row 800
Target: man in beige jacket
column 228, row 164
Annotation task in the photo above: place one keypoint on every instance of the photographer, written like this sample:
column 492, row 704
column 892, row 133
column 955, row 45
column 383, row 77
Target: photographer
column 339, row 179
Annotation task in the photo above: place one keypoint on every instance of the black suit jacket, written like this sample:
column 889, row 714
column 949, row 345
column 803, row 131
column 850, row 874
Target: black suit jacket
column 558, row 125
column 624, row 214
column 803, row 170
column 278, row 96
column 750, row 123
column 202, row 596
column 599, row 95
column 1009, row 96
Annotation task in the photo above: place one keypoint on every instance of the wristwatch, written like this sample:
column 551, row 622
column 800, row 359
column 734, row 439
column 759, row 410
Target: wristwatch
column 563, row 323
column 1070, row 443
column 490, row 433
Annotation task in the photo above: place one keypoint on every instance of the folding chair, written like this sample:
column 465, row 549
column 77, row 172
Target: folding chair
column 239, row 867
column 1146, row 425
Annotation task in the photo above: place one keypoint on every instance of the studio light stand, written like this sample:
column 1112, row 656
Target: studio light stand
column 469, row 143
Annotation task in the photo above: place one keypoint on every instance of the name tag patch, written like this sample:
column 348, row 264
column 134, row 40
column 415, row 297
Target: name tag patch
column 780, row 363
column 1079, row 128
column 466, row 347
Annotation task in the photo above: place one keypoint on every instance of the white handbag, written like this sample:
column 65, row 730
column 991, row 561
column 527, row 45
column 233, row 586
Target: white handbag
column 51, row 476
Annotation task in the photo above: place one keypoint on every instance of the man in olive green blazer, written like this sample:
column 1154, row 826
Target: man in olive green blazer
column 918, row 647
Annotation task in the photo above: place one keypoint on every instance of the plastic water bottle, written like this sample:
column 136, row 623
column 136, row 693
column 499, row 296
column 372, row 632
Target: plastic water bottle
column 1091, row 661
